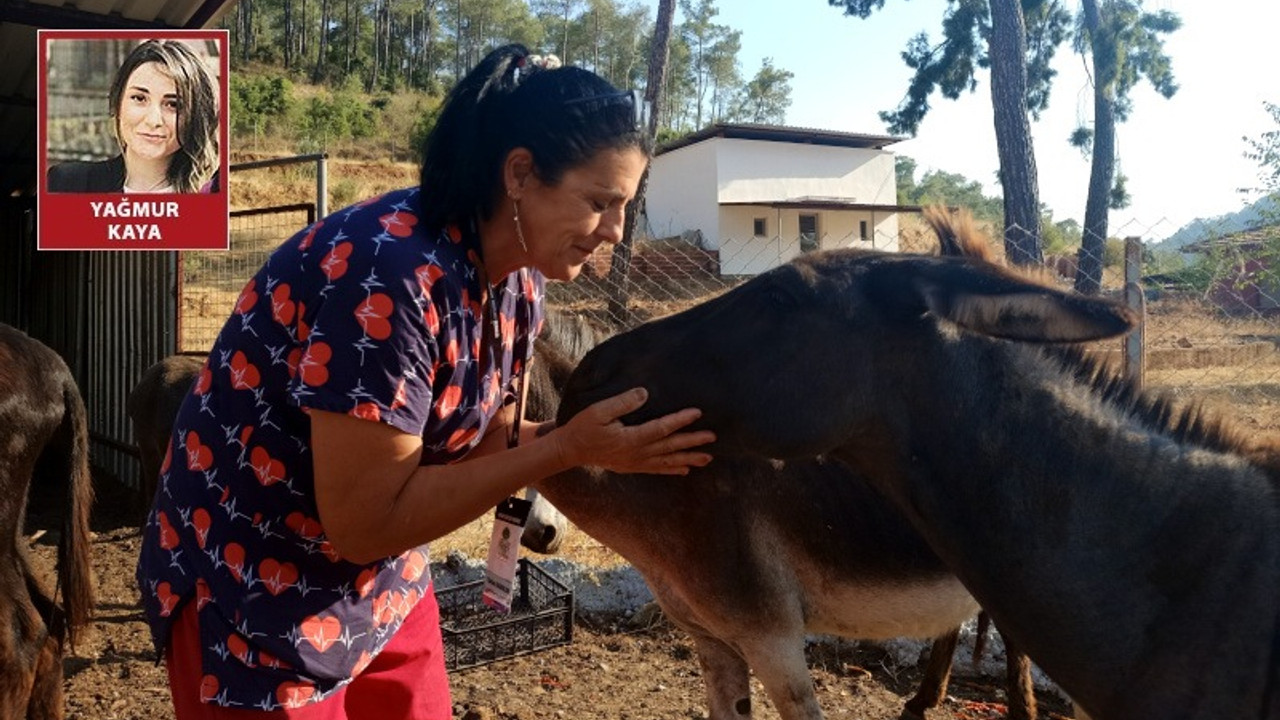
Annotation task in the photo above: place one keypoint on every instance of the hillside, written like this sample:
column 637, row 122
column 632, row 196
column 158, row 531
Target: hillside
column 1263, row 211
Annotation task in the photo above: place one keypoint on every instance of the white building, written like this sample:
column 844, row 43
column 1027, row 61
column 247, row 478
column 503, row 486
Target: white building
column 761, row 194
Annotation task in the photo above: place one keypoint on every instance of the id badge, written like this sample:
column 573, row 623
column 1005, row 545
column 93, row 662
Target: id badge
column 504, row 552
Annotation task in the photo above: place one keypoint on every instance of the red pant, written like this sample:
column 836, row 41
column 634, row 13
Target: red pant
column 406, row 681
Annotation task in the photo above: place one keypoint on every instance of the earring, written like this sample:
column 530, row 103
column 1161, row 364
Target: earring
column 519, row 231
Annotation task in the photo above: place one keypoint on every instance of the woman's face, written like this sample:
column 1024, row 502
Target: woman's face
column 148, row 113
column 563, row 224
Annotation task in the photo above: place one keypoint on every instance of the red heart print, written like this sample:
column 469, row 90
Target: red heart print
column 238, row 648
column 245, row 432
column 203, row 594
column 334, row 264
column 277, row 576
column 427, row 275
column 248, row 297
column 168, row 601
column 322, row 633
column 414, row 565
column 268, row 470
column 295, row 356
column 303, row 525
column 292, row 695
column 199, row 457
column 244, row 374
column 208, row 688
column 201, row 521
column 402, row 398
column 312, row 365
column 366, row 411
column 310, row 236
column 462, row 438
column 365, row 582
column 168, row 459
column 372, row 315
column 233, row 557
column 168, row 536
column 282, row 308
column 449, row 401
column 451, row 352
column 399, row 223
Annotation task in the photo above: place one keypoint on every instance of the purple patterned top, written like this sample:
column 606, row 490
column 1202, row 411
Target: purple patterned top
column 362, row 313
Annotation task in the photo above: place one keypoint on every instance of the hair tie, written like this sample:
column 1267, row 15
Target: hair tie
column 530, row 64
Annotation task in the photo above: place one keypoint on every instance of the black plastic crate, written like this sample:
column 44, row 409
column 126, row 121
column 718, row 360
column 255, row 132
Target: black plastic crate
column 541, row 617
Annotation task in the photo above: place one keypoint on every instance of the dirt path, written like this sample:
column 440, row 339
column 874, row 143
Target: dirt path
column 611, row 669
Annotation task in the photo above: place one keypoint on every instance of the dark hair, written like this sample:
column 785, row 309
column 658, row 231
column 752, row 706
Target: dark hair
column 197, row 156
column 563, row 116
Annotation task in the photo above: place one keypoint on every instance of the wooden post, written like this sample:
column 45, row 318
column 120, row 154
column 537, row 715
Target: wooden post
column 1134, row 355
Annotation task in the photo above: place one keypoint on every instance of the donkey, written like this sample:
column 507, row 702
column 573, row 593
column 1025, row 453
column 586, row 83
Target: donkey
column 152, row 405
column 1131, row 550
column 154, row 402
column 749, row 555
column 44, row 441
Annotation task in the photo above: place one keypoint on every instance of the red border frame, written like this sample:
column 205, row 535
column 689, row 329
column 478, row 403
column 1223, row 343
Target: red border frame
column 68, row 221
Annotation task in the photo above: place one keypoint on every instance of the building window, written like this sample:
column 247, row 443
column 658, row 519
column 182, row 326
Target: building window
column 808, row 233
column 862, row 230
column 760, row 228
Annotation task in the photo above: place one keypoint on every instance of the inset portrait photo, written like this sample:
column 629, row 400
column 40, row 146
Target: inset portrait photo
column 133, row 134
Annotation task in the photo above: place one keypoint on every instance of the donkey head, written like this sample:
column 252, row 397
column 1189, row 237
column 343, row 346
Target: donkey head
column 788, row 364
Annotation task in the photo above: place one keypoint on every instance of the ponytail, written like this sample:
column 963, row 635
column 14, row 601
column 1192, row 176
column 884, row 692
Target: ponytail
column 514, row 99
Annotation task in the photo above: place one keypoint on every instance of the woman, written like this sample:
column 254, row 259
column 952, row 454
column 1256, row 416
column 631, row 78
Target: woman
column 359, row 404
column 164, row 109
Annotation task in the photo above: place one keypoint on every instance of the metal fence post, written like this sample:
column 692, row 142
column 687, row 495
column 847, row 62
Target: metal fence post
column 1134, row 357
column 322, row 185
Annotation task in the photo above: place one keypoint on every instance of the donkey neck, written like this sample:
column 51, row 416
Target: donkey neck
column 1103, row 547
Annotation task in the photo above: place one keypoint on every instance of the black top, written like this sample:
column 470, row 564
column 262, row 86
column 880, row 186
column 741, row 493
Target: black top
column 106, row 176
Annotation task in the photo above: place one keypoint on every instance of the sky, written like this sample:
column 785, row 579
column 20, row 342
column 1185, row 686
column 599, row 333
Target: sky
column 1184, row 156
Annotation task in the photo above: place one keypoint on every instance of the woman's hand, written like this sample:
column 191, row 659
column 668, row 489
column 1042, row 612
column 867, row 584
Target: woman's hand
column 596, row 436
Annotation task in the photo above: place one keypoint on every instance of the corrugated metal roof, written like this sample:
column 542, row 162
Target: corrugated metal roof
column 19, row 21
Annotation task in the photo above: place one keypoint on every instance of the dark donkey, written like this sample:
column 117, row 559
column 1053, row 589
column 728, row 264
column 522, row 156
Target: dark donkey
column 1132, row 551
column 44, row 441
column 749, row 556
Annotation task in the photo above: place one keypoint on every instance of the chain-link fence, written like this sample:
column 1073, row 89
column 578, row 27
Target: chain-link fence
column 1211, row 328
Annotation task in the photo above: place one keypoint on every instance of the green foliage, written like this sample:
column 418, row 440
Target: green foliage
column 327, row 119
column 1129, row 47
column 951, row 66
column 943, row 188
column 1119, row 197
column 258, row 102
column 767, row 97
column 1059, row 238
column 1265, row 151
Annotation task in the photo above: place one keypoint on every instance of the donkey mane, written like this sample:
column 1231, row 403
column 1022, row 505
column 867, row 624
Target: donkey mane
column 959, row 236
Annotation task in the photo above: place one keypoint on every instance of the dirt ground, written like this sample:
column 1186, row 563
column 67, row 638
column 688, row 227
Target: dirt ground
column 612, row 668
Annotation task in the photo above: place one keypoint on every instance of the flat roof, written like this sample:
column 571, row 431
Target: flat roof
column 781, row 133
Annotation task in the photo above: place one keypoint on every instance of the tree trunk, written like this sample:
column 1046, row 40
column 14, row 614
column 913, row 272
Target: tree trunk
column 1013, row 133
column 620, row 266
column 319, row 73
column 1102, row 169
column 286, row 40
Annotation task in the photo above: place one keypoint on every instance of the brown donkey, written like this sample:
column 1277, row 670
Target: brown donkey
column 749, row 556
column 1132, row 551
column 44, row 441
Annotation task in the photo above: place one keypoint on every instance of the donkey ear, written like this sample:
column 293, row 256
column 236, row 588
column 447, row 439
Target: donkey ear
column 992, row 301
column 987, row 299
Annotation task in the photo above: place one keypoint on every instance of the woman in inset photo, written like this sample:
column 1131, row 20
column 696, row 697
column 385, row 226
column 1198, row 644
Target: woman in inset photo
column 164, row 111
